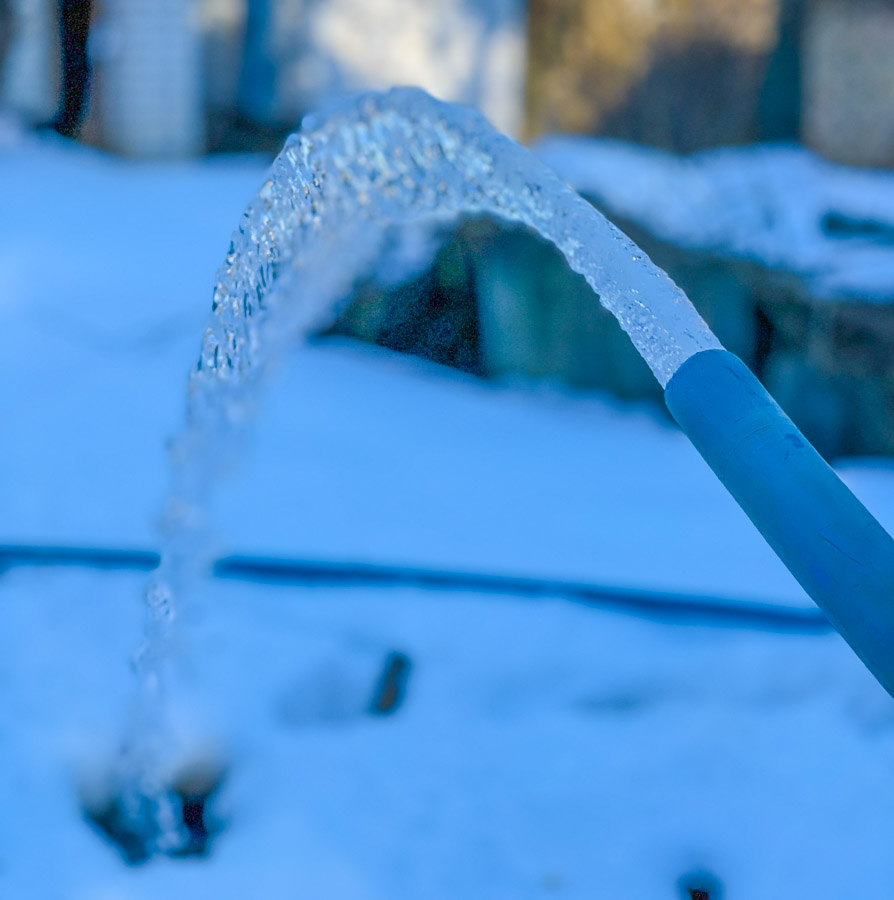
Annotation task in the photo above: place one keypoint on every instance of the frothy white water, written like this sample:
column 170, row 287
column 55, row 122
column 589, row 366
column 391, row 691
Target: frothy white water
column 389, row 158
column 316, row 225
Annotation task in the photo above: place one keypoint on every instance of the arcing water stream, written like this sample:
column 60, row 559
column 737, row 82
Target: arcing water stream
column 315, row 226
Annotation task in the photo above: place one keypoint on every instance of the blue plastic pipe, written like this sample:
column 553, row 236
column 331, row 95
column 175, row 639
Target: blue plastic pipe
column 838, row 552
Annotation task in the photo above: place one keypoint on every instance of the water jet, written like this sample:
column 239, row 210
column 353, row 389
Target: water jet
column 318, row 223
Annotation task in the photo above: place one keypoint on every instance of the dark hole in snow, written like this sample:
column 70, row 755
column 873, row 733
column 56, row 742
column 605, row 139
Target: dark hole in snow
column 699, row 885
column 137, row 834
column 198, row 835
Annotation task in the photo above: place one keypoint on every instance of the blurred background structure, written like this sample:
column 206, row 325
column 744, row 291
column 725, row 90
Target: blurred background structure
column 791, row 261
column 682, row 75
column 178, row 77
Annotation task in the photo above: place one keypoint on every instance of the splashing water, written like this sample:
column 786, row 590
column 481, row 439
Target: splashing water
column 318, row 224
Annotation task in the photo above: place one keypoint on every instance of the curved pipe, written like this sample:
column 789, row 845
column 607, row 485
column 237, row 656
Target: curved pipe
column 827, row 539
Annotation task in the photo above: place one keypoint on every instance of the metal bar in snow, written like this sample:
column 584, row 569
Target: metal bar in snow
column 660, row 605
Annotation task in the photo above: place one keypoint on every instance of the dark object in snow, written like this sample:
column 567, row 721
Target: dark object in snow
column 137, row 836
column 109, row 558
column 699, row 885
column 194, row 788
column 658, row 605
column 392, row 686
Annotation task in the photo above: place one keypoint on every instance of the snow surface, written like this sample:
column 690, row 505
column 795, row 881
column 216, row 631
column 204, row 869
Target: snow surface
column 767, row 203
column 544, row 749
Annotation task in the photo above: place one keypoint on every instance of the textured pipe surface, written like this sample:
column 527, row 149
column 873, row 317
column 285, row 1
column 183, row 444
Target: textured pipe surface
column 828, row 540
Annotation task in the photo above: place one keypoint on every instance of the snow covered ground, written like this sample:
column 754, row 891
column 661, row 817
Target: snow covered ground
column 544, row 749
